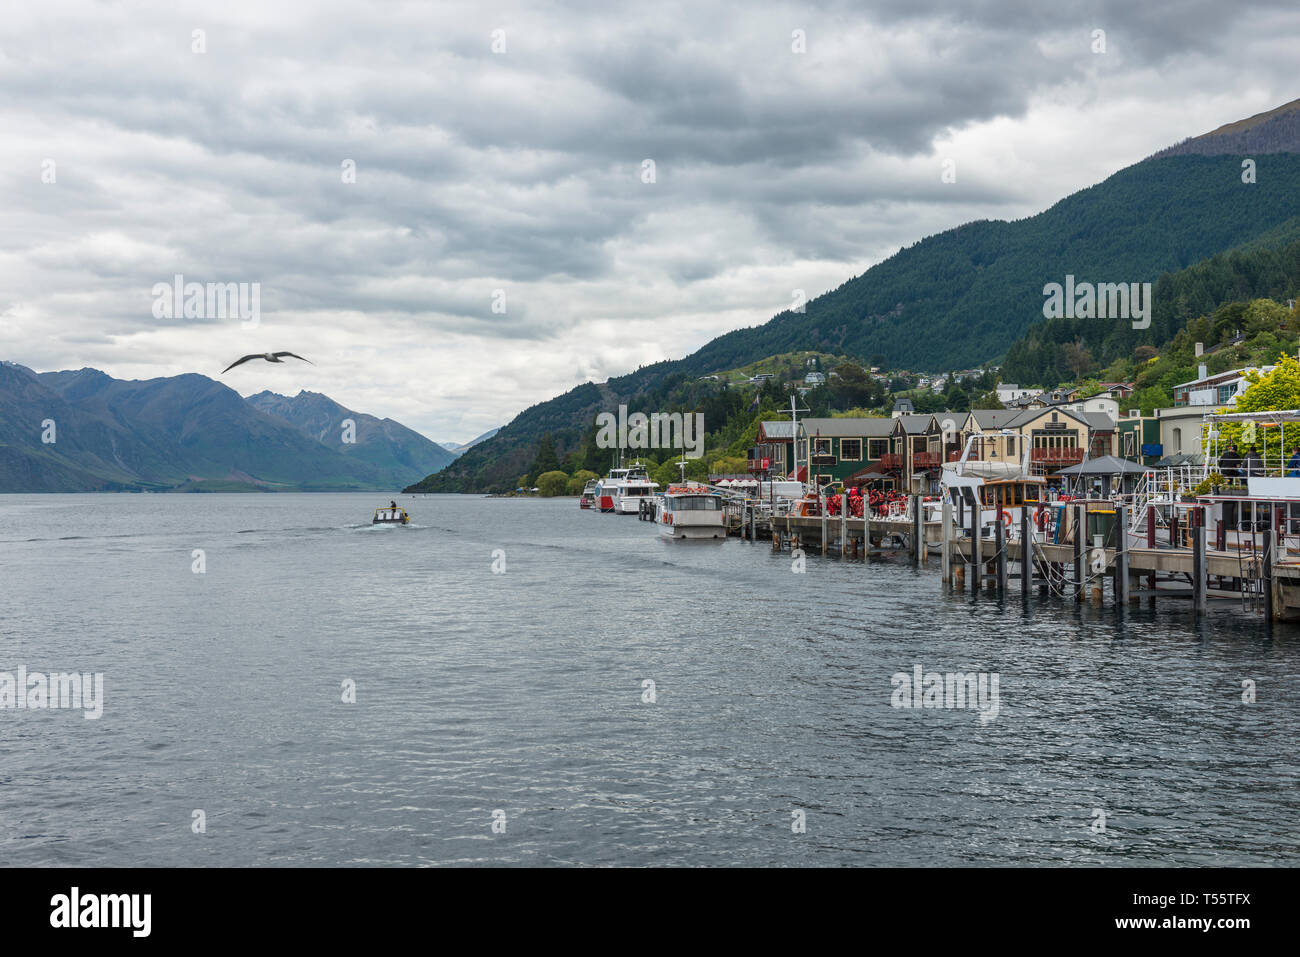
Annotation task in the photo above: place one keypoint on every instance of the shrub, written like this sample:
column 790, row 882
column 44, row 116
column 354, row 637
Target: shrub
column 550, row 484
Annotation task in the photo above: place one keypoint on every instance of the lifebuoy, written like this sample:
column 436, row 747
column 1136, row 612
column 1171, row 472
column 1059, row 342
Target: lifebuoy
column 1042, row 520
column 1006, row 520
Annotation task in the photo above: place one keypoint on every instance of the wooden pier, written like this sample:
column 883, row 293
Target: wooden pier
column 1078, row 570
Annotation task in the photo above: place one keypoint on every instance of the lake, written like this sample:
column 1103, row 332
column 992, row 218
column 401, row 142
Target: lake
column 495, row 657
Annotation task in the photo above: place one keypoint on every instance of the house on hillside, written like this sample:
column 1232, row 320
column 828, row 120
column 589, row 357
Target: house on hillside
column 1008, row 392
column 1119, row 391
column 1222, row 388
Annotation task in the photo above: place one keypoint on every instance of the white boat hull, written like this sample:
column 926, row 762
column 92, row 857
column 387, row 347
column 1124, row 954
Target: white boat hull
column 684, row 530
column 631, row 504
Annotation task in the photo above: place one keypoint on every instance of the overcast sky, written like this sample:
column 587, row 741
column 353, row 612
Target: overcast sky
column 522, row 170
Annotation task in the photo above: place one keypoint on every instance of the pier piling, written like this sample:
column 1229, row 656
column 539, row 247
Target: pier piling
column 1000, row 563
column 1121, row 587
column 1197, row 531
column 1267, row 583
column 1026, row 552
column 918, row 532
column 1080, row 549
column 946, row 560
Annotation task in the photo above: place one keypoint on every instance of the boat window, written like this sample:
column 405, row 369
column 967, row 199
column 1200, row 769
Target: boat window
column 697, row 503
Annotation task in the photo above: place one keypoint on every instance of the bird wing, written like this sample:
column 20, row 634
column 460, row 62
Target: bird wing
column 293, row 356
column 240, row 362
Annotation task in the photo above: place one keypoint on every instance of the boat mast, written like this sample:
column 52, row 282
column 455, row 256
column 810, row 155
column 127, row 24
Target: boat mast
column 794, row 437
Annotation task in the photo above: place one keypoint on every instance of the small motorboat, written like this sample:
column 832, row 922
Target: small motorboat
column 392, row 515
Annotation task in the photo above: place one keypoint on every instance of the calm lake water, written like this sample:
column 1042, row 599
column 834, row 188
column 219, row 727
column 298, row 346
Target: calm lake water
column 522, row 692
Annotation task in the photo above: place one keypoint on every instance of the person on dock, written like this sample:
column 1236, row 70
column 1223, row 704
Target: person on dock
column 1293, row 463
column 1254, row 464
column 1230, row 462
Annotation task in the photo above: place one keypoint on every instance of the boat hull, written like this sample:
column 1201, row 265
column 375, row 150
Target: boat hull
column 682, row 532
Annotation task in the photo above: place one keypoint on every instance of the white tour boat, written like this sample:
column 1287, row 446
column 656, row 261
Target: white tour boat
column 690, row 511
column 623, row 490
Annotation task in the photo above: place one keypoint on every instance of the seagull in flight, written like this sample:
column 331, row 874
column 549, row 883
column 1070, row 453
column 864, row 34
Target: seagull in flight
column 268, row 356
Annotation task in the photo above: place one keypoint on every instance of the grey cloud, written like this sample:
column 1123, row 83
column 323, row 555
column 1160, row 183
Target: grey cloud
column 477, row 171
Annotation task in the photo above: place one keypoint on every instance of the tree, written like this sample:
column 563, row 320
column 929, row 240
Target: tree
column 1268, row 392
column 729, row 465
column 1272, row 391
column 1265, row 315
column 1150, row 399
column 550, row 484
column 546, row 460
column 667, row 474
column 853, row 386
column 578, row 481
column 1078, row 357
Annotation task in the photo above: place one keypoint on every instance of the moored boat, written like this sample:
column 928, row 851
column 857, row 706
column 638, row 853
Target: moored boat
column 638, row 487
column 623, row 489
column 690, row 511
column 1000, row 488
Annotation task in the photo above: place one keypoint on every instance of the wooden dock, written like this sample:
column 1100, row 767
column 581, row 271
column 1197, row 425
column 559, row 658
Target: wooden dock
column 1077, row 570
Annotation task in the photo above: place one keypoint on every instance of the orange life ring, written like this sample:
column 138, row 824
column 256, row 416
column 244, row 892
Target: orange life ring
column 1006, row 519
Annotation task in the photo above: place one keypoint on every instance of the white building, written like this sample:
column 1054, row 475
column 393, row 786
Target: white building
column 1180, row 429
column 1219, row 389
column 1008, row 392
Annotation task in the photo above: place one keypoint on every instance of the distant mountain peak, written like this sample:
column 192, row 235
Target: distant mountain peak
column 1273, row 131
column 1253, row 121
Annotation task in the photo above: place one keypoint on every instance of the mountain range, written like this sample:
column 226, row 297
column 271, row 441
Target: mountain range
column 966, row 296
column 86, row 431
column 462, row 448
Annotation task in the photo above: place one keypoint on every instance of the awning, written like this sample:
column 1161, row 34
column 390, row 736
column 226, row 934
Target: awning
column 1106, row 465
column 864, row 476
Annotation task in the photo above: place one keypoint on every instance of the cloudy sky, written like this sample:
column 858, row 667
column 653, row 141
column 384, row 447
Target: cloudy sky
column 134, row 150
